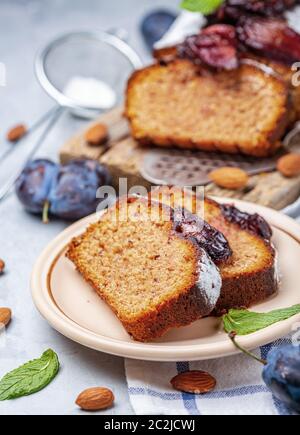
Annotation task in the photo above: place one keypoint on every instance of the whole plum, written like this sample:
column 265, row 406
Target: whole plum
column 34, row 184
column 282, row 375
column 73, row 191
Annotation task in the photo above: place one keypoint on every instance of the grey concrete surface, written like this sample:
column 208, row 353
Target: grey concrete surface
column 25, row 25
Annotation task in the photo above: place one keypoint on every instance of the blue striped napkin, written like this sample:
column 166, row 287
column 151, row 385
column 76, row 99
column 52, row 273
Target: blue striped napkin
column 240, row 388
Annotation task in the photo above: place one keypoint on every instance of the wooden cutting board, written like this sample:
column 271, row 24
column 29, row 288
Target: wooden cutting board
column 124, row 157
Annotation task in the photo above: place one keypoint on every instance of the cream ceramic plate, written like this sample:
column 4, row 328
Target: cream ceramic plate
column 74, row 309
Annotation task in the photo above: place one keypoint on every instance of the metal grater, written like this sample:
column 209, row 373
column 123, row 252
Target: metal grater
column 192, row 168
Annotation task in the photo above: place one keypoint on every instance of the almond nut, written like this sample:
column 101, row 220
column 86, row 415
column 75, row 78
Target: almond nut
column 5, row 316
column 96, row 135
column 289, row 165
column 229, row 178
column 95, row 399
column 2, row 266
column 16, row 133
column 195, row 382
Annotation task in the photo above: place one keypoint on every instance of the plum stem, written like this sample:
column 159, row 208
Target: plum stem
column 232, row 337
column 46, row 212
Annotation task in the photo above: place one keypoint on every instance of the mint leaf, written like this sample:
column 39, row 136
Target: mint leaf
column 244, row 322
column 30, row 378
column 206, row 7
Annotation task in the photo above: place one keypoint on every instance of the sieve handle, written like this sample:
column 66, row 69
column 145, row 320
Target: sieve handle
column 34, row 127
column 5, row 189
column 120, row 33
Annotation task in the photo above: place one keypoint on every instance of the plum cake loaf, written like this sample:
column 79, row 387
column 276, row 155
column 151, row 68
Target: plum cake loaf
column 249, row 276
column 146, row 263
column 180, row 104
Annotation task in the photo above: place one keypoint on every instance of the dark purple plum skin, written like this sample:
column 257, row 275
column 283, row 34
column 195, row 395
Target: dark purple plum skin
column 282, row 375
column 34, row 184
column 73, row 191
column 251, row 222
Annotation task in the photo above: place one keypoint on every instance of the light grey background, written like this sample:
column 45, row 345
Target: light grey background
column 25, row 26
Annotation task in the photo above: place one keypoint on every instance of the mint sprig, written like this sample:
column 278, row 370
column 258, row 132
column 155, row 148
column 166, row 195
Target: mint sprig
column 30, row 378
column 205, row 7
column 244, row 322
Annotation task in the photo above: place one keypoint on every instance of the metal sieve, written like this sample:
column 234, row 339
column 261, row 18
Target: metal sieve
column 99, row 55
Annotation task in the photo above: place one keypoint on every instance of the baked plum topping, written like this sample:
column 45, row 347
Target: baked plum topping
column 233, row 10
column 264, row 7
column 271, row 37
column 209, row 238
column 269, row 8
column 251, row 222
column 215, row 46
column 244, row 25
column 261, row 26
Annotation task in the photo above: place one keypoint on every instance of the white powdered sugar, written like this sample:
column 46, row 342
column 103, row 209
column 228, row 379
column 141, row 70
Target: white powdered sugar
column 293, row 17
column 90, row 92
column 277, row 274
column 210, row 281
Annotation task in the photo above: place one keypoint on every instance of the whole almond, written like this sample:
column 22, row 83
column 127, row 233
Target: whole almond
column 16, row 133
column 289, row 165
column 2, row 266
column 5, row 316
column 195, row 382
column 95, row 399
column 96, row 135
column 229, row 178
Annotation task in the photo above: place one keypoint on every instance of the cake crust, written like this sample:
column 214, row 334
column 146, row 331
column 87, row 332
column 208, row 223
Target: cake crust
column 197, row 286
